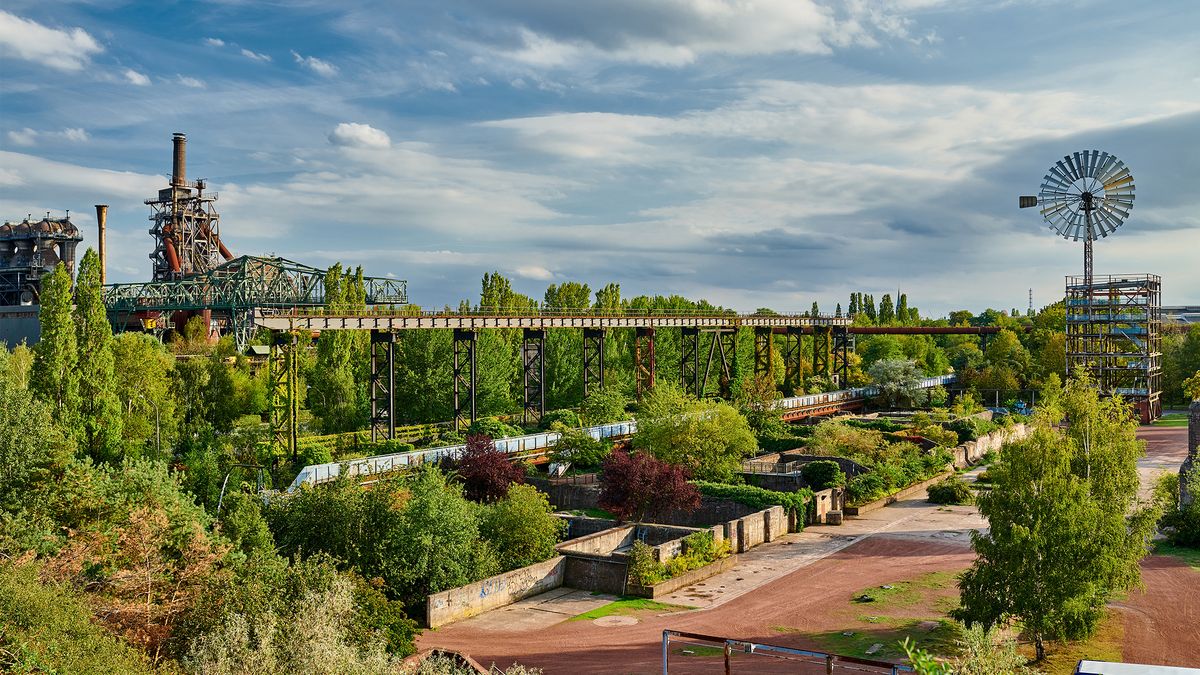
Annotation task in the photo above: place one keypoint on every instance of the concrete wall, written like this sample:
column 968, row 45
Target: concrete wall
column 833, row 499
column 711, row 512
column 581, row 526
column 601, row 543
column 970, row 452
column 567, row 497
column 503, row 589
column 19, row 323
column 599, row 574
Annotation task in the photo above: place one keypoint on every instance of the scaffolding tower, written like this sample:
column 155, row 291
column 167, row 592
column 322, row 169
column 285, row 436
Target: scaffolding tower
column 1113, row 333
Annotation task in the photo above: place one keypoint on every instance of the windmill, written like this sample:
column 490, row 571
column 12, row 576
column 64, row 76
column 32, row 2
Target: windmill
column 1112, row 323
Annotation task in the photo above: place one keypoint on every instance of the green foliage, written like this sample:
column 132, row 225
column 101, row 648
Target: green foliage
column 54, row 377
column 30, row 440
column 969, row 428
column 899, row 382
column 242, row 522
column 47, row 628
column 823, row 474
column 1066, row 531
column 755, row 398
column 580, row 449
column 865, row 488
column 699, row 549
column 758, row 498
column 644, row 568
column 566, row 417
column 1180, row 524
column 100, row 420
column 604, row 406
column 709, row 438
column 522, row 527
column 837, row 439
column 951, row 490
column 493, row 428
column 143, row 370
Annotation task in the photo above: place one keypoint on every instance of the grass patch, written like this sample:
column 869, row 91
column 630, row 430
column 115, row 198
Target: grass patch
column 1105, row 645
column 592, row 513
column 699, row 650
column 904, row 593
column 1171, row 420
column 938, row 637
column 1191, row 556
column 629, row 607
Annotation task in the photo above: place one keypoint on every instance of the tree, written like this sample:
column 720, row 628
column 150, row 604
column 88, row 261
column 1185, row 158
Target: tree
column 899, row 381
column 902, row 315
column 30, row 439
column 709, row 438
column 100, row 420
column 55, row 375
column 869, row 308
column 486, row 473
column 143, row 371
column 603, row 406
column 1191, row 387
column 635, row 486
column 887, row 313
column 522, row 527
column 1066, row 531
column 755, row 398
column 579, row 448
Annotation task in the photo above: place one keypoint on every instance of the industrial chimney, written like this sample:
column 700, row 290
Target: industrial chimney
column 179, row 167
column 101, row 221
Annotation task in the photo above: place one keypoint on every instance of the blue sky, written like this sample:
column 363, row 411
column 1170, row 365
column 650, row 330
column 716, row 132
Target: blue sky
column 765, row 153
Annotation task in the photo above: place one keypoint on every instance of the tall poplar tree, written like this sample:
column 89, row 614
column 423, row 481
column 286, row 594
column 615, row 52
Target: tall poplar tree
column 55, row 378
column 887, row 312
column 100, row 422
column 902, row 309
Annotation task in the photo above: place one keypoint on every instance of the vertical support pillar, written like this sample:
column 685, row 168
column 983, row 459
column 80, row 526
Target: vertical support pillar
column 822, row 345
column 533, row 357
column 465, row 377
column 689, row 367
column 843, row 344
column 282, row 404
column 793, row 373
column 764, row 352
column 727, row 342
column 383, row 385
column 643, row 360
column 593, row 359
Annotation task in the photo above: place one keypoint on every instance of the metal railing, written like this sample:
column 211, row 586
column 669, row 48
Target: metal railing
column 757, row 657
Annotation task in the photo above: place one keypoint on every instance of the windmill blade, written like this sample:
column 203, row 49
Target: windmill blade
column 1081, row 165
column 1093, row 159
column 1054, row 182
column 1064, row 171
column 1116, row 183
column 1114, row 170
column 1105, row 223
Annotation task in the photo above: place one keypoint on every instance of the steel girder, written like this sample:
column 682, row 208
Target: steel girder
column 793, row 378
column 533, row 357
column 383, row 385
column 465, row 376
column 822, row 346
column 643, row 360
column 283, row 403
column 593, row 359
column 843, row 345
column 764, row 352
column 689, row 366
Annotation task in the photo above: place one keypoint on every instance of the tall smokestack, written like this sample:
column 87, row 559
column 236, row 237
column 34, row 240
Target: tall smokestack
column 101, row 221
column 179, row 167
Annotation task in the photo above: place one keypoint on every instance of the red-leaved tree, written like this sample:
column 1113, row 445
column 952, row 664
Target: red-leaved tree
column 486, row 472
column 635, row 486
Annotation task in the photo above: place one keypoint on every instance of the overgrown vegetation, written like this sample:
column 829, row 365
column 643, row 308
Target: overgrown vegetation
column 699, row 549
column 951, row 490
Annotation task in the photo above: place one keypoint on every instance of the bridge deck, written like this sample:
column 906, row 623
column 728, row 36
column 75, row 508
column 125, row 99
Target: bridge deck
column 626, row 319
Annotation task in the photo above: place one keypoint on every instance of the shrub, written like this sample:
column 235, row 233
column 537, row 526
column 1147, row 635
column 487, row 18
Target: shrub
column 759, row 498
column 564, row 416
column 522, row 527
column 637, row 485
column 983, row 477
column 644, row 568
column 1181, row 524
column 864, row 488
column 823, row 474
column 603, row 407
column 485, row 471
column 492, row 428
column 952, row 490
column 580, row 449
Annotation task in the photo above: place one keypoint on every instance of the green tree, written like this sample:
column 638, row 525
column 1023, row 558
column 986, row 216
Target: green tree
column 1066, row 531
column 100, row 420
column 55, row 374
column 899, row 381
column 709, row 438
column 522, row 527
column 604, row 406
column 30, row 440
column 902, row 315
column 887, row 313
column 143, row 371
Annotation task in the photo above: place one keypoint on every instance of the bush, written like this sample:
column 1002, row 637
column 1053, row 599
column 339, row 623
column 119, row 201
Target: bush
column 486, row 473
column 635, row 486
column 564, row 416
column 759, row 498
column 983, row 477
column 603, row 407
column 579, row 449
column 644, row 568
column 823, row 474
column 492, row 428
column 865, row 488
column 1181, row 525
column 952, row 490
column 522, row 527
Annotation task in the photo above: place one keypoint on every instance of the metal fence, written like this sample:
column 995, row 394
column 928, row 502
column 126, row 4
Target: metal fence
column 702, row 654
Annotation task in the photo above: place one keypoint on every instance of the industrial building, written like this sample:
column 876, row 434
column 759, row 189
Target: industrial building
column 28, row 250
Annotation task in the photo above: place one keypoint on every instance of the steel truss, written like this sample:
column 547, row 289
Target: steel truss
column 722, row 344
column 283, row 403
column 643, row 360
column 793, row 371
column 764, row 352
column 534, row 359
column 383, row 385
column 822, row 346
column 843, row 345
column 593, row 359
column 465, row 376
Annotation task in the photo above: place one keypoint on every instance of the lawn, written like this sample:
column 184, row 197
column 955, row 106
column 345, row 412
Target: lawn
column 1171, row 420
column 1105, row 645
column 1191, row 556
column 630, row 607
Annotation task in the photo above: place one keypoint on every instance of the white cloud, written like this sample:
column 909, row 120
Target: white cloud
column 353, row 134
column 536, row 272
column 214, row 42
column 28, row 137
column 190, row 82
column 135, row 78
column 255, row 56
column 322, row 68
column 61, row 49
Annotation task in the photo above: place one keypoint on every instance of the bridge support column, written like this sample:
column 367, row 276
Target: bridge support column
column 283, row 404
column 643, row 360
column 534, row 359
column 383, row 385
column 724, row 345
column 822, row 346
column 764, row 352
column 793, row 377
column 593, row 360
column 689, row 366
column 843, row 344
column 465, row 377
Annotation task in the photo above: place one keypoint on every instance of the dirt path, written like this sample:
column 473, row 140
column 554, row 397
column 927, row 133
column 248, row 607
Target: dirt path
column 1162, row 623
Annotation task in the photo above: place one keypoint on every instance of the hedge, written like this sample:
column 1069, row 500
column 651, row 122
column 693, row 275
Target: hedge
column 759, row 498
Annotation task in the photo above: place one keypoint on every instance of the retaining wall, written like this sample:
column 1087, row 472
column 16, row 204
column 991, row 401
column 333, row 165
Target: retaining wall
column 682, row 581
column 971, row 452
column 503, row 589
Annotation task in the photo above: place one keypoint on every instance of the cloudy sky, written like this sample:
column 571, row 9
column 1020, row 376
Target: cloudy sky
column 751, row 152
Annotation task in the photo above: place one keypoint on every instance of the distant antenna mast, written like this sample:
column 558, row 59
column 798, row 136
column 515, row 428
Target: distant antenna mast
column 1029, row 312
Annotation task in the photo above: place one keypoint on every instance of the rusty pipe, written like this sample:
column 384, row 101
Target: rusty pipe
column 172, row 256
column 179, row 165
column 101, row 222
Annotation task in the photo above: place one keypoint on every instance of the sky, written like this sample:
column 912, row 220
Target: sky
column 755, row 153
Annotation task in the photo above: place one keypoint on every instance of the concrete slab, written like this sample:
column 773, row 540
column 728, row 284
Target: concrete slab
column 540, row 611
